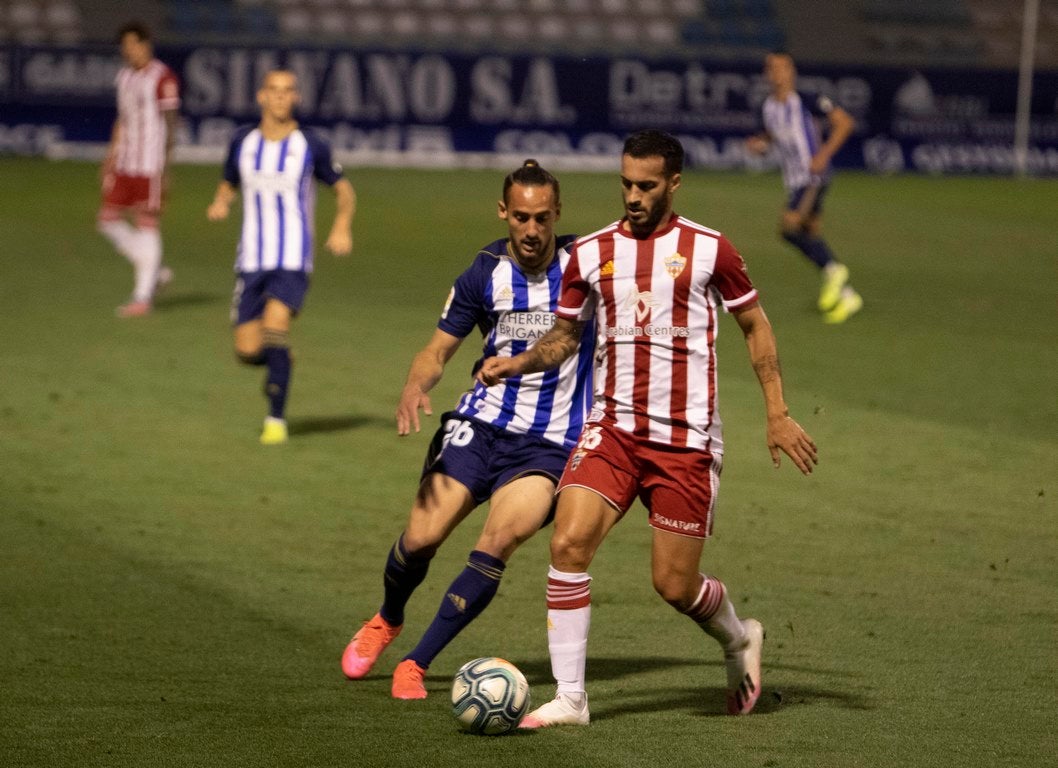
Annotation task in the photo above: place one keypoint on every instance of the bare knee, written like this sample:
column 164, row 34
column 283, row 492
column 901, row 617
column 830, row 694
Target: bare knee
column 791, row 229
column 250, row 356
column 571, row 553
column 677, row 593
column 420, row 547
column 500, row 544
column 248, row 343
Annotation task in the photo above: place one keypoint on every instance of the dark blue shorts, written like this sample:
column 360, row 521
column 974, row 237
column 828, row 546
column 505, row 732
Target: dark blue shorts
column 253, row 289
column 484, row 458
column 793, row 202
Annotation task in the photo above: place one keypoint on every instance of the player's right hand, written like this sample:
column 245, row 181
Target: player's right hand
column 786, row 435
column 758, row 145
column 411, row 399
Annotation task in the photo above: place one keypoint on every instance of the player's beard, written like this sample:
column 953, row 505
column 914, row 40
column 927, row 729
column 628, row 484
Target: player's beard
column 537, row 259
column 644, row 227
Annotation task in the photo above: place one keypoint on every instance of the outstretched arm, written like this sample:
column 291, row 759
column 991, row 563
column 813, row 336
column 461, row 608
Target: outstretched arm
column 784, row 434
column 549, row 351
column 340, row 240
column 426, row 370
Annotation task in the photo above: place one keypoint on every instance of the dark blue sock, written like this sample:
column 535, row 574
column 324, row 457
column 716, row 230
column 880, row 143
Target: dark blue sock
column 466, row 598
column 815, row 248
column 400, row 579
column 277, row 384
column 819, row 252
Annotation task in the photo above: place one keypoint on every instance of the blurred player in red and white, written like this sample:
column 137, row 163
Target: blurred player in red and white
column 135, row 171
column 657, row 283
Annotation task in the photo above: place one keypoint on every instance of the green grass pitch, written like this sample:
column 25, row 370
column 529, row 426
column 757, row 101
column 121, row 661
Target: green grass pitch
column 173, row 594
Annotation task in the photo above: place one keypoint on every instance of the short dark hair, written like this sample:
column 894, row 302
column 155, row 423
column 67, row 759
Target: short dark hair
column 531, row 174
column 652, row 143
column 137, row 28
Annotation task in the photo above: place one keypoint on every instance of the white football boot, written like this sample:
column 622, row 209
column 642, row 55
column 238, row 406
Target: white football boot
column 743, row 670
column 560, row 711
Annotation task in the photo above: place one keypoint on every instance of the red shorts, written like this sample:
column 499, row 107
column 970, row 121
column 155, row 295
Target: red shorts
column 141, row 193
column 678, row 486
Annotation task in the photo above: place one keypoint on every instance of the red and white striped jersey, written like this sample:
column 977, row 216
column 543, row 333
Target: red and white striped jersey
column 144, row 95
column 656, row 303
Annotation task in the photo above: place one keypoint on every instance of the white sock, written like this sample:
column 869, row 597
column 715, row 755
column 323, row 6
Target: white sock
column 121, row 235
column 146, row 259
column 720, row 622
column 568, row 621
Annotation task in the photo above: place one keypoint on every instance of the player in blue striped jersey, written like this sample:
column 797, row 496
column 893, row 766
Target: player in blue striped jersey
column 506, row 445
column 274, row 164
column 793, row 125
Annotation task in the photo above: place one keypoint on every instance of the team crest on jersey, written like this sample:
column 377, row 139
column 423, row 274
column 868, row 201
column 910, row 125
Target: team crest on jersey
column 674, row 265
column 606, row 270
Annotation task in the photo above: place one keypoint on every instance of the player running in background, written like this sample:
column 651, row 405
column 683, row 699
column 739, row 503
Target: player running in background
column 656, row 283
column 792, row 123
column 135, row 170
column 274, row 163
column 505, row 445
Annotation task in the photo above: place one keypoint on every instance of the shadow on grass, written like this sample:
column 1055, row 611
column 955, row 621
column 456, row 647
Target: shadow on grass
column 707, row 701
column 172, row 301
column 710, row 701
column 307, row 425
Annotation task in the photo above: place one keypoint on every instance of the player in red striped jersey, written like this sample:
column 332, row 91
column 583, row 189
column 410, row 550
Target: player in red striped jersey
column 134, row 173
column 656, row 282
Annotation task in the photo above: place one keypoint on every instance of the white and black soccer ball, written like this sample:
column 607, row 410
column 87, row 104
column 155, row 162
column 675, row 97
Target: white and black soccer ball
column 490, row 696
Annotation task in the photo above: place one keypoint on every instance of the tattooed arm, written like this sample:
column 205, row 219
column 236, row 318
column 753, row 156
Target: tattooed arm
column 784, row 433
column 548, row 352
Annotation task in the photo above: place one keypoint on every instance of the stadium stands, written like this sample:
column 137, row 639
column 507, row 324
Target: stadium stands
column 593, row 25
column 40, row 21
column 937, row 32
column 910, row 33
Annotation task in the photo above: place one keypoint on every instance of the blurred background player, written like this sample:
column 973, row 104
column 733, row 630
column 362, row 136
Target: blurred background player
column 135, row 170
column 792, row 123
column 273, row 163
column 655, row 282
column 505, row 445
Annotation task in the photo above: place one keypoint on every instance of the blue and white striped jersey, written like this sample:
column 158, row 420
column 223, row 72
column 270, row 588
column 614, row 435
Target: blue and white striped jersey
column 794, row 127
column 279, row 198
column 513, row 310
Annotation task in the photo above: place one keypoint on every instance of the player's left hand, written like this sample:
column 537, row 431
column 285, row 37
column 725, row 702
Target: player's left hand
column 340, row 242
column 786, row 435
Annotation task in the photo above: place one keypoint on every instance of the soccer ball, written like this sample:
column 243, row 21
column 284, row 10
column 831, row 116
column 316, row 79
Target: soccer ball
column 490, row 696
